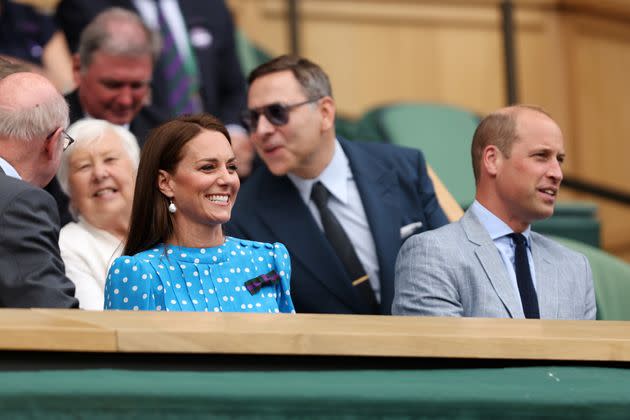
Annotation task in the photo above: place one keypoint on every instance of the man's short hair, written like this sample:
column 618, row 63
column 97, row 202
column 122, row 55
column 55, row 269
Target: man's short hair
column 8, row 67
column 498, row 129
column 309, row 75
column 33, row 122
column 102, row 34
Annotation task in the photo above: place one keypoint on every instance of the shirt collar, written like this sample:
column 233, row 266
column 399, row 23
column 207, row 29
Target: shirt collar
column 334, row 177
column 496, row 227
column 8, row 169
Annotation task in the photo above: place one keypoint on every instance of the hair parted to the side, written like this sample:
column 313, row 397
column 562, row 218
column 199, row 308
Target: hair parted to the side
column 498, row 129
column 151, row 222
column 103, row 34
column 309, row 75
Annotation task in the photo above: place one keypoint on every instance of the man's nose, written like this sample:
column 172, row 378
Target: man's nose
column 555, row 171
column 264, row 126
column 125, row 96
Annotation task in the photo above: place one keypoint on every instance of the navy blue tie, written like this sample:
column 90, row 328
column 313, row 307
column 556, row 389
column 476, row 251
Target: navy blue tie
column 529, row 299
column 343, row 246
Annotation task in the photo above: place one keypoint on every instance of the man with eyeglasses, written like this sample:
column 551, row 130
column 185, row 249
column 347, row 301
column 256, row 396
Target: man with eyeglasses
column 113, row 70
column 342, row 208
column 32, row 138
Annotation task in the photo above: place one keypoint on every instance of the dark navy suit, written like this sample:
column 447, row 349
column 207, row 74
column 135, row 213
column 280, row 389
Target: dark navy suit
column 396, row 191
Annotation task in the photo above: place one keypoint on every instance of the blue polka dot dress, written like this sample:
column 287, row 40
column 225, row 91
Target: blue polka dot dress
column 238, row 276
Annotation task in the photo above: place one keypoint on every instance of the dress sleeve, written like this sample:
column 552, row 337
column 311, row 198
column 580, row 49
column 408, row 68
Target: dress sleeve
column 283, row 268
column 129, row 285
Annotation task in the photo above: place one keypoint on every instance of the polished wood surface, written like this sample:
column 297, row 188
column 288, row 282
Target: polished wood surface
column 313, row 335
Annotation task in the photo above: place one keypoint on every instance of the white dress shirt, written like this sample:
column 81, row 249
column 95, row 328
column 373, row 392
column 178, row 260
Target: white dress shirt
column 345, row 203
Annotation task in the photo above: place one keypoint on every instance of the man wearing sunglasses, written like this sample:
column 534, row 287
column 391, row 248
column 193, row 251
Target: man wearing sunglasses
column 32, row 138
column 342, row 208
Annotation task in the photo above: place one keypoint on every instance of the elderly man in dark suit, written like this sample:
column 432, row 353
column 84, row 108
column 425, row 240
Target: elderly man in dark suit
column 342, row 208
column 33, row 116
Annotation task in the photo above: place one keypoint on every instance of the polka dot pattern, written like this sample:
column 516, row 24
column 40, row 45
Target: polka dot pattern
column 171, row 278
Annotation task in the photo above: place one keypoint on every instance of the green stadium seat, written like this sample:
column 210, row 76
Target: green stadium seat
column 611, row 276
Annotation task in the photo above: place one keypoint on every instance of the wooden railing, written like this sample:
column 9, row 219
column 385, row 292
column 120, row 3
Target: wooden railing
column 313, row 335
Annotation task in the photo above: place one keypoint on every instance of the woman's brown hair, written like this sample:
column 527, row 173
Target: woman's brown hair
column 151, row 223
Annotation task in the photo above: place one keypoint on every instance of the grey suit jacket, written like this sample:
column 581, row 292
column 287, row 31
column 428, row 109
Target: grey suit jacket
column 457, row 271
column 31, row 270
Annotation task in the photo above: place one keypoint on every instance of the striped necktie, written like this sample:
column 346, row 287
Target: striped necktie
column 180, row 72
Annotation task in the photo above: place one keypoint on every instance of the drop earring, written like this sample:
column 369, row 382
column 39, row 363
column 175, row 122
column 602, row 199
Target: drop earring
column 172, row 208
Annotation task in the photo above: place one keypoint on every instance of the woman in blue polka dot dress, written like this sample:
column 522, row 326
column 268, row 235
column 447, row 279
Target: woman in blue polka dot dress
column 176, row 257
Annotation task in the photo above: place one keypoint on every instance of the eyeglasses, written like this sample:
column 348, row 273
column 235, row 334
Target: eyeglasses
column 276, row 113
column 67, row 140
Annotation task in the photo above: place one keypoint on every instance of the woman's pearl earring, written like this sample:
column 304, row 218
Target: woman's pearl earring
column 172, row 208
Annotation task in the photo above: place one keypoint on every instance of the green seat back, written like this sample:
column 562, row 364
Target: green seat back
column 443, row 133
column 575, row 220
column 612, row 280
column 249, row 55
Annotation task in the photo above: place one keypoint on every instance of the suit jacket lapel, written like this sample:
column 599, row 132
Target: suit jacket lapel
column 285, row 214
column 76, row 112
column 546, row 281
column 492, row 264
column 379, row 193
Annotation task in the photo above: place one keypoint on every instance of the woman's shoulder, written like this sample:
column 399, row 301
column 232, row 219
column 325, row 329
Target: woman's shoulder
column 71, row 231
column 140, row 259
column 246, row 243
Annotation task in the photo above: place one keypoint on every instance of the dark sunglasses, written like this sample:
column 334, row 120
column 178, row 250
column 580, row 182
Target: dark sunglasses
column 276, row 113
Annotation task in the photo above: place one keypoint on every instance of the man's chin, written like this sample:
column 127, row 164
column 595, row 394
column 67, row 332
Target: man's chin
column 120, row 119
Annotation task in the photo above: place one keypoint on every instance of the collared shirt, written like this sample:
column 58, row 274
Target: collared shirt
column 345, row 203
column 8, row 169
column 174, row 19
column 498, row 231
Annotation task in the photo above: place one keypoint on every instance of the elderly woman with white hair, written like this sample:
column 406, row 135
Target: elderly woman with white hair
column 98, row 173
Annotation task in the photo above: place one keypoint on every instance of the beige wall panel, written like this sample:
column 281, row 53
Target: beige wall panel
column 264, row 22
column 382, row 53
column 599, row 62
column 541, row 54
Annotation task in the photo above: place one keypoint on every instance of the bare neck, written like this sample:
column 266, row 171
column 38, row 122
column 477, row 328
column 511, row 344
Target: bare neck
column 197, row 236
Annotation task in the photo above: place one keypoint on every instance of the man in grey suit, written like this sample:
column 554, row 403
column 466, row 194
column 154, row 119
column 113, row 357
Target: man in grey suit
column 33, row 116
column 490, row 263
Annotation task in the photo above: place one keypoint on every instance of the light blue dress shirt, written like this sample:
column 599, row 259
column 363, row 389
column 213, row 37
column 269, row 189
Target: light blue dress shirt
column 8, row 169
column 497, row 229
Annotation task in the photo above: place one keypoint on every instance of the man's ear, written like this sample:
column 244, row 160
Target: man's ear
column 327, row 109
column 491, row 159
column 164, row 183
column 51, row 144
column 76, row 69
